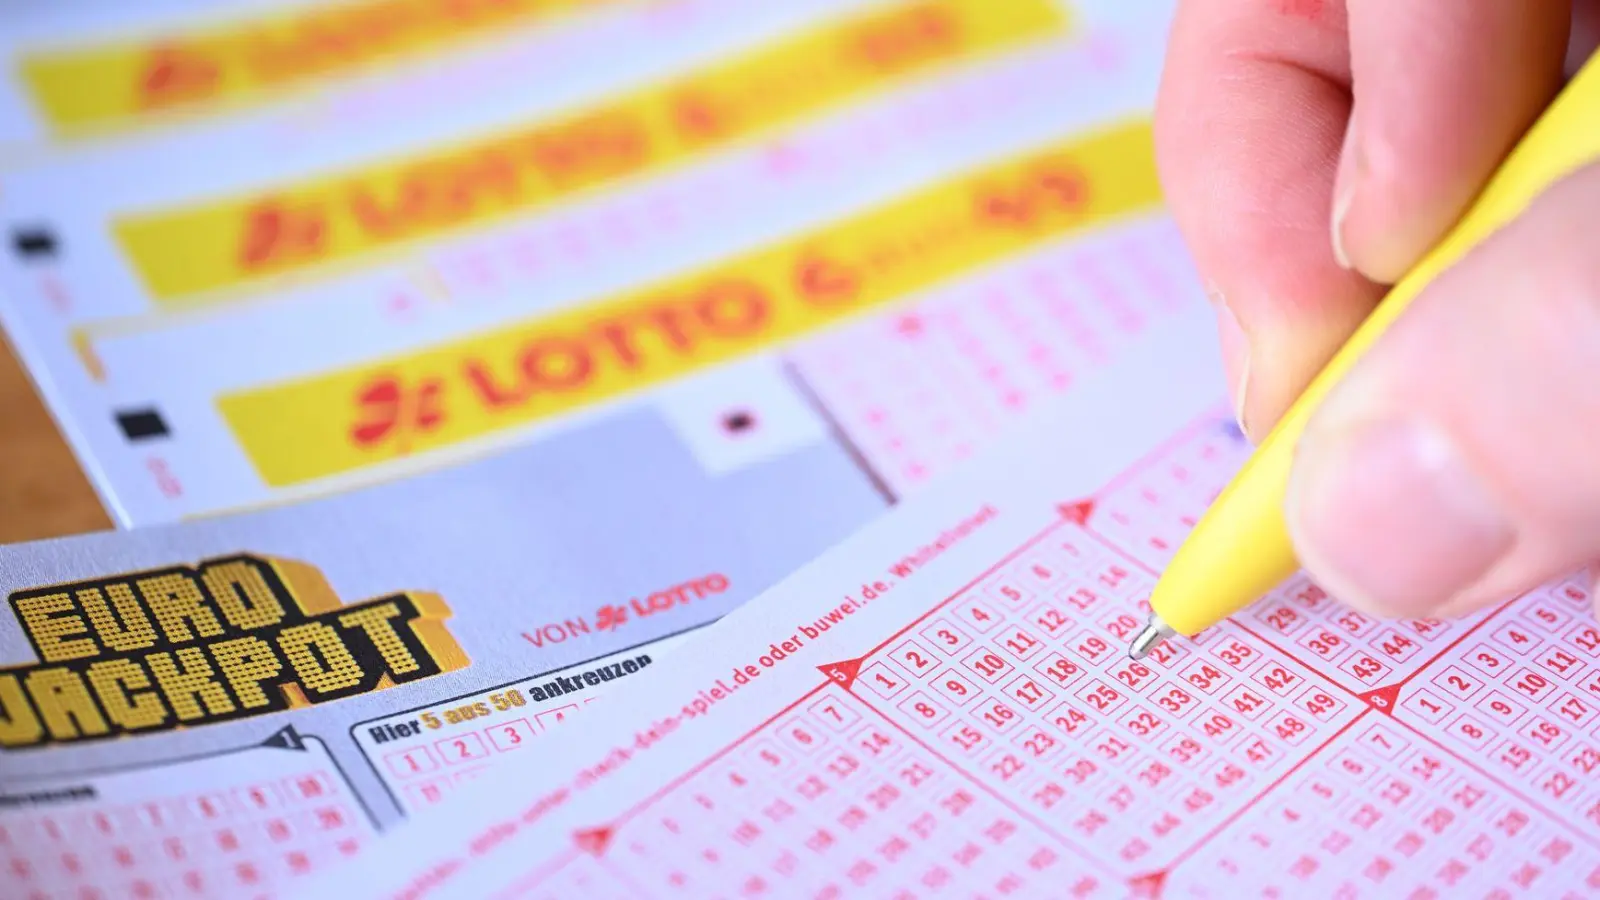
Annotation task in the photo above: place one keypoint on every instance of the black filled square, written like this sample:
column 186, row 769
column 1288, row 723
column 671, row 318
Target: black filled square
column 142, row 424
column 33, row 243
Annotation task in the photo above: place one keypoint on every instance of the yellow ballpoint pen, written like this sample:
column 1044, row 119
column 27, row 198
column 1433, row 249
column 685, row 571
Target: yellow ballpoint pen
column 1240, row 549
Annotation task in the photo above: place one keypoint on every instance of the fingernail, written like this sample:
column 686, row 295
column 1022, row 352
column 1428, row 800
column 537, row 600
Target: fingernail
column 1235, row 355
column 1344, row 191
column 1389, row 516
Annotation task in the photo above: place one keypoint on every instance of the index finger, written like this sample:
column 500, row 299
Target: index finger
column 1251, row 116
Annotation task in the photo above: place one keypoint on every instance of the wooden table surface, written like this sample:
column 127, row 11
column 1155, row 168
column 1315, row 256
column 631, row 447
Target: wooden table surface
column 43, row 493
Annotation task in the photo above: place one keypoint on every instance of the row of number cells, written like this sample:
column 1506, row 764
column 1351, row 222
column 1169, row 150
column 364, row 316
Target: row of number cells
column 1359, row 652
column 1523, row 693
column 1385, row 812
column 829, row 802
column 1150, row 514
column 219, row 840
column 966, row 361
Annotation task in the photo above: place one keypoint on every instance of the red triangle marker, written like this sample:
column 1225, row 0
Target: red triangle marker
column 1150, row 885
column 594, row 841
column 1383, row 699
column 842, row 673
column 1077, row 513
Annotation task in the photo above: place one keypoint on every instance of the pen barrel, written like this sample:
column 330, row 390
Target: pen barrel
column 1241, row 548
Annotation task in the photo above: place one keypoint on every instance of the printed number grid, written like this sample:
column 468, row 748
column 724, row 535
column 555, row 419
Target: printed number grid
column 225, row 841
column 1003, row 744
column 921, row 389
column 424, row 772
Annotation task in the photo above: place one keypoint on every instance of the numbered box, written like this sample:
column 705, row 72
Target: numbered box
column 1173, row 700
column 257, row 797
column 1352, row 768
column 1036, row 743
column 1560, row 661
column 309, row 786
column 987, row 664
column 1544, row 733
column 1289, row 727
column 956, row 688
column 460, row 750
column 427, row 793
column 1527, row 683
column 508, row 736
column 1427, row 705
column 1324, row 643
column 1020, row 643
column 1516, row 638
column 555, row 717
column 1499, row 707
column 1394, row 645
column 1027, row 691
column 1217, row 727
column 1000, row 716
column 924, row 710
column 1143, row 724
column 1051, row 620
column 913, row 658
column 834, row 714
column 1247, row 703
column 1492, row 663
column 966, row 737
column 1545, row 617
column 887, row 681
column 1586, row 638
column 801, row 736
column 1205, row 677
column 1235, row 654
column 1058, row 671
column 876, row 742
column 1094, row 650
column 1275, row 676
column 1367, row 669
column 1319, row 704
column 765, row 755
column 1282, row 618
column 977, row 616
column 1010, row 592
column 1471, row 731
column 945, row 637
column 1458, row 683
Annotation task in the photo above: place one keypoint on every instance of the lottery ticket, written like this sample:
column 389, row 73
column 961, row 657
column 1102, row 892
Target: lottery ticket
column 213, row 709
column 944, row 706
column 1091, row 274
column 93, row 71
column 109, row 353
column 256, row 211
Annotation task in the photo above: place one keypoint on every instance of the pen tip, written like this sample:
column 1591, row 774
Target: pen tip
column 1151, row 636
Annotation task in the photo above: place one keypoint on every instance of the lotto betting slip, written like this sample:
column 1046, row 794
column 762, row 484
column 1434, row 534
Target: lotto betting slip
column 250, row 304
column 944, row 706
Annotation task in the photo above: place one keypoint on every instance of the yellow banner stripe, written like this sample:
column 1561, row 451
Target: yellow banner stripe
column 230, row 242
column 116, row 83
column 345, row 420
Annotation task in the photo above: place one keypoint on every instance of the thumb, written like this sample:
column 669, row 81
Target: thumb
column 1456, row 465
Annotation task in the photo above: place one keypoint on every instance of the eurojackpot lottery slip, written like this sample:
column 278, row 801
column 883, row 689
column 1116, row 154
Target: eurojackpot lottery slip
column 215, row 708
column 956, row 193
column 944, row 706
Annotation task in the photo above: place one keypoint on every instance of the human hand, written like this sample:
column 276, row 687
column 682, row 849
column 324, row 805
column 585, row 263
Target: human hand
column 1311, row 151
